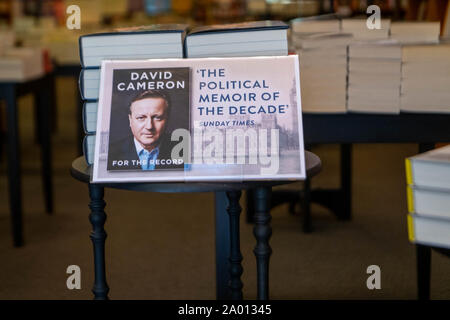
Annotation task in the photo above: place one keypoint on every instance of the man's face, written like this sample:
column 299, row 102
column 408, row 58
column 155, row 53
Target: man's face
column 148, row 120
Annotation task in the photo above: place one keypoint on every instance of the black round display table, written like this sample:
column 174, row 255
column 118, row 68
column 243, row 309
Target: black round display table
column 262, row 230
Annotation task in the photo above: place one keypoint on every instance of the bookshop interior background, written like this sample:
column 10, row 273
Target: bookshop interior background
column 329, row 263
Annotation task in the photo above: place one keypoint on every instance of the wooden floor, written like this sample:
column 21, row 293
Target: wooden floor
column 161, row 246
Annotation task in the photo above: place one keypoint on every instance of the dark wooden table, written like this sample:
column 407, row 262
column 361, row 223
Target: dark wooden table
column 227, row 235
column 42, row 90
column 73, row 71
column 351, row 128
column 346, row 129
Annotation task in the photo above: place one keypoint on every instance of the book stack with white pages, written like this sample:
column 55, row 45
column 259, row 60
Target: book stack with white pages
column 374, row 71
column 425, row 78
column 247, row 39
column 322, row 51
column 428, row 195
column 415, row 32
column 21, row 64
column 18, row 64
column 323, row 65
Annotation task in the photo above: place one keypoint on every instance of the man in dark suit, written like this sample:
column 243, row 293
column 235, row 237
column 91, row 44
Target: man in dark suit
column 149, row 147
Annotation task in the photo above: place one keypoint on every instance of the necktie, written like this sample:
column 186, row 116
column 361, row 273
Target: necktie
column 148, row 157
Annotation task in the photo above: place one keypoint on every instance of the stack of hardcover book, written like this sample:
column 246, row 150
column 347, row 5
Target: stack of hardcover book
column 416, row 32
column 259, row 38
column 322, row 50
column 150, row 42
column 18, row 64
column 323, row 65
column 314, row 25
column 428, row 195
column 21, row 64
column 374, row 67
column 374, row 71
column 425, row 78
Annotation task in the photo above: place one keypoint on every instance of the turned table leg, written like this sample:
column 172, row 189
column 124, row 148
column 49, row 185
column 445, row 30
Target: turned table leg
column 234, row 211
column 44, row 125
column 423, row 258
column 98, row 236
column 262, row 232
column 13, row 160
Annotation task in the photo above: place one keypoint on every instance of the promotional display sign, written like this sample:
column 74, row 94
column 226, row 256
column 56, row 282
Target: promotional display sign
column 213, row 119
